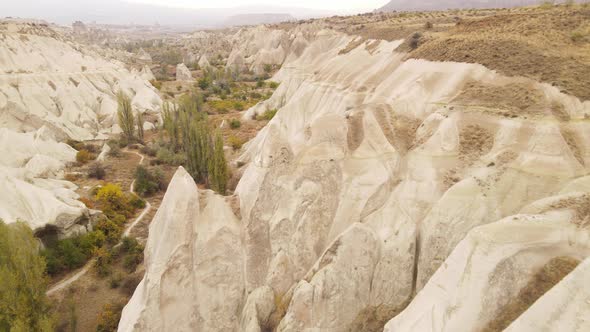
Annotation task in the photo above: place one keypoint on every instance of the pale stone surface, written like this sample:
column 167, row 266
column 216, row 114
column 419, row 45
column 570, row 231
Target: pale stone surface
column 375, row 182
column 183, row 73
column 53, row 89
column 196, row 259
column 565, row 307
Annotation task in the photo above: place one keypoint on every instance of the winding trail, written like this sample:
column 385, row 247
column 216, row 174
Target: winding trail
column 67, row 282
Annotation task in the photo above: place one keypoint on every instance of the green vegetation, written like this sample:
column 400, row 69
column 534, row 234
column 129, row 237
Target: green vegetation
column 84, row 156
column 148, row 182
column 218, row 172
column 140, row 121
column 23, row 304
column 268, row 115
column 125, row 116
column 235, row 124
column 235, row 142
column 108, row 319
column 187, row 129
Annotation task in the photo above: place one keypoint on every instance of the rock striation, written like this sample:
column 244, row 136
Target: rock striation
column 53, row 89
column 387, row 194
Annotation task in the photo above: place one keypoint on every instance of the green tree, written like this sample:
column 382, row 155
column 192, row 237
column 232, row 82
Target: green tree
column 140, row 122
column 23, row 304
column 125, row 115
column 218, row 173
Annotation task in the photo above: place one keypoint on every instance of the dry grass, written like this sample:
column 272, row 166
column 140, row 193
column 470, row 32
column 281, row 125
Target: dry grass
column 534, row 44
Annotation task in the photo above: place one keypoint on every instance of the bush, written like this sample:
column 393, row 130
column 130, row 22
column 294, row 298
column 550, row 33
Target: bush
column 115, row 281
column 415, row 40
column 165, row 156
column 83, row 156
column 235, row 142
column 72, row 253
column 235, row 124
column 273, row 85
column 204, row 83
column 96, row 171
column 238, row 106
column 108, row 319
column 428, row 25
column 268, row 115
column 115, row 148
column 260, row 84
column 148, row 150
column 103, row 261
column 146, row 182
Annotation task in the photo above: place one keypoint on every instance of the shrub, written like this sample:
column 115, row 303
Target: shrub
column 267, row 68
column 235, row 124
column 415, row 40
column 178, row 88
column 115, row 148
column 115, row 281
column 168, row 157
column 96, row 171
column 84, row 156
column 238, row 106
column 428, row 25
column 273, row 85
column 112, row 230
column 204, row 83
column 148, row 150
column 235, row 142
column 260, row 84
column 103, row 261
column 268, row 115
column 110, row 196
column 108, row 319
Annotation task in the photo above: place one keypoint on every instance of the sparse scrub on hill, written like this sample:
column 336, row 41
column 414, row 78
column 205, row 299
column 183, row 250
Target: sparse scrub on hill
column 235, row 142
column 108, row 319
column 96, row 171
column 235, row 124
column 84, row 156
column 125, row 116
column 148, row 182
column 267, row 115
column 24, row 305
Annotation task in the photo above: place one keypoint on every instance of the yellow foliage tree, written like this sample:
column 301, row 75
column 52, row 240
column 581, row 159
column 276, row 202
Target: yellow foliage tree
column 23, row 304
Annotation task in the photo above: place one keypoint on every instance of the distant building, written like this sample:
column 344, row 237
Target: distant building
column 79, row 27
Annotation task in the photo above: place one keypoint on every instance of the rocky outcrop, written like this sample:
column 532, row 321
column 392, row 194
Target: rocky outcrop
column 47, row 80
column 183, row 73
column 385, row 183
column 30, row 173
column 52, row 89
column 204, row 62
column 196, row 259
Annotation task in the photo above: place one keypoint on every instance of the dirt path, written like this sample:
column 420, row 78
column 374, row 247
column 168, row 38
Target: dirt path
column 68, row 281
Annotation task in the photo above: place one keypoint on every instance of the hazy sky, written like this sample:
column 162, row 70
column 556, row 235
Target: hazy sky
column 338, row 5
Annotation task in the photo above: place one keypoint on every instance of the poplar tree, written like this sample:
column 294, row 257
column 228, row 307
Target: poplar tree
column 125, row 115
column 218, row 173
column 140, row 122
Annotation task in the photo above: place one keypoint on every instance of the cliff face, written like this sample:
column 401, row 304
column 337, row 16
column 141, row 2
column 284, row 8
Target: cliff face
column 52, row 89
column 382, row 184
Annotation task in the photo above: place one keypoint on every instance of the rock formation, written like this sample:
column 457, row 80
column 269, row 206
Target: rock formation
column 52, row 89
column 183, row 73
column 387, row 192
